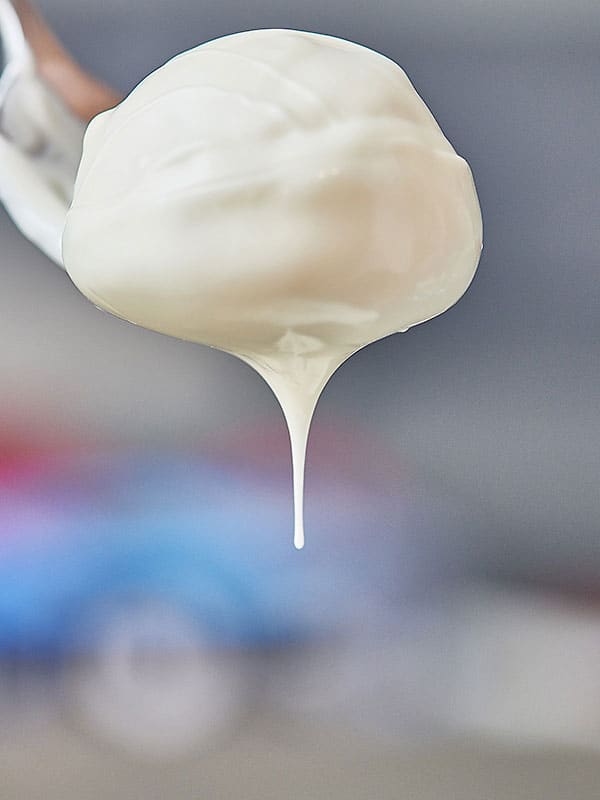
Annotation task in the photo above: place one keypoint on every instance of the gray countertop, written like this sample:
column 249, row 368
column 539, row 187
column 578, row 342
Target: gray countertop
column 273, row 759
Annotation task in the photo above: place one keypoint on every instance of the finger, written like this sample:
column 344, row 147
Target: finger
column 81, row 92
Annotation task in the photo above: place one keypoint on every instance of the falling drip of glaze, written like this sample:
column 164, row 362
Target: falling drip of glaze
column 298, row 424
column 297, row 380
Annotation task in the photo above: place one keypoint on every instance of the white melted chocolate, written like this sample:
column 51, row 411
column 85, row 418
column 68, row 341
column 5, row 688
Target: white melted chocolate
column 283, row 196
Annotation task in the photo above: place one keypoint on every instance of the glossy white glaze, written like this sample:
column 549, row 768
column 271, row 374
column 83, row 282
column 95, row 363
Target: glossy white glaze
column 281, row 195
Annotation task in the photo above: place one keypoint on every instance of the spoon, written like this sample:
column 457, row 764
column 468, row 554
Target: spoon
column 46, row 101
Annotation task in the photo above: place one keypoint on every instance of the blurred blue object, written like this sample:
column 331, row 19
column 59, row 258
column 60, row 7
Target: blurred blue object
column 157, row 586
column 209, row 537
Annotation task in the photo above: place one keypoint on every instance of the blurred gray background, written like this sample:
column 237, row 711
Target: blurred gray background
column 493, row 407
column 496, row 402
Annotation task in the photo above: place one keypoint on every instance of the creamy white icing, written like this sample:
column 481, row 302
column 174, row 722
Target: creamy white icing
column 281, row 195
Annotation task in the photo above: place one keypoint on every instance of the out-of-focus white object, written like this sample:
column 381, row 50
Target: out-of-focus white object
column 527, row 668
column 510, row 665
column 151, row 685
column 40, row 143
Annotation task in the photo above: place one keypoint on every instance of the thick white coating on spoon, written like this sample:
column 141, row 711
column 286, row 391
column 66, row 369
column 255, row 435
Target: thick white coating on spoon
column 281, row 195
